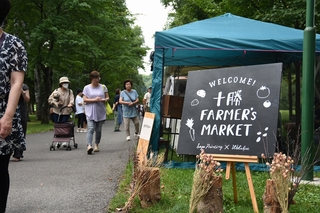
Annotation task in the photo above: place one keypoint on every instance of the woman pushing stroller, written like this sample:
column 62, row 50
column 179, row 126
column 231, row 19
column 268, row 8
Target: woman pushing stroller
column 61, row 97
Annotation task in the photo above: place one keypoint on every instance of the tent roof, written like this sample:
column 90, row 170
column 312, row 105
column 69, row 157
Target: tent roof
column 230, row 40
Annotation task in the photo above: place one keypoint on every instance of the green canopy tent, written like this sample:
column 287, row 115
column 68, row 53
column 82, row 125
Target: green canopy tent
column 226, row 40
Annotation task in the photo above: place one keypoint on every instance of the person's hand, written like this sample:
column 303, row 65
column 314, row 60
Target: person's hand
column 5, row 126
column 69, row 105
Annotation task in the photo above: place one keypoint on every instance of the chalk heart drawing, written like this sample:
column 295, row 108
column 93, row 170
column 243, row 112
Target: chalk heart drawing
column 201, row 93
column 267, row 104
column 194, row 102
column 263, row 92
column 262, row 135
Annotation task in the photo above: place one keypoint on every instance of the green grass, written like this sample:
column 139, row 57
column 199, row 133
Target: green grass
column 176, row 189
column 35, row 126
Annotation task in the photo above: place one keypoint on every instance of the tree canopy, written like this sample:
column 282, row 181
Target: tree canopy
column 74, row 37
column 291, row 13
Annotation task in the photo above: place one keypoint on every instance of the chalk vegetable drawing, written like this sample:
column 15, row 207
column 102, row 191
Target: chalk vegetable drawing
column 191, row 130
column 263, row 92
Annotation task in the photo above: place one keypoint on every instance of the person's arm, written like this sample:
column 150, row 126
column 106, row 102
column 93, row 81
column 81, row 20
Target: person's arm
column 106, row 95
column 51, row 99
column 71, row 103
column 121, row 100
column 14, row 95
column 26, row 95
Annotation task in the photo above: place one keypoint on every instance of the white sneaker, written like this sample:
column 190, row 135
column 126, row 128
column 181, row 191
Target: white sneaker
column 89, row 150
column 128, row 138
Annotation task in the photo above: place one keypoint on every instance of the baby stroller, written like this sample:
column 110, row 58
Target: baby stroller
column 63, row 134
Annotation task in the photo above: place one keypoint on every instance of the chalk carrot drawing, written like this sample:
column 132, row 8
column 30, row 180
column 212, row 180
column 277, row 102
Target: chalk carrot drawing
column 192, row 132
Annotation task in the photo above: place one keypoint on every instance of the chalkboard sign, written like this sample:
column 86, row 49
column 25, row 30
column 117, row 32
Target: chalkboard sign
column 231, row 111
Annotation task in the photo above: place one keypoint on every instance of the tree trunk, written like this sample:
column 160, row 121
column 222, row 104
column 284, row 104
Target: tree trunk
column 213, row 201
column 270, row 201
column 150, row 186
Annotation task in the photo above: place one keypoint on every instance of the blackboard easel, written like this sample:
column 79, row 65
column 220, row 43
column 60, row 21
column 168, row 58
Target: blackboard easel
column 231, row 160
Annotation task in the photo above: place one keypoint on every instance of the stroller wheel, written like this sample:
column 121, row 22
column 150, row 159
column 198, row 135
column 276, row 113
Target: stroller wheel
column 68, row 148
column 52, row 148
column 76, row 145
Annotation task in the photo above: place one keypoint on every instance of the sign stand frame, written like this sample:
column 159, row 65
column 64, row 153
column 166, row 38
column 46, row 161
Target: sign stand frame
column 143, row 143
column 231, row 160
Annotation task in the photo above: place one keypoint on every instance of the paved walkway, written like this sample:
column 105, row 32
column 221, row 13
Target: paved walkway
column 68, row 181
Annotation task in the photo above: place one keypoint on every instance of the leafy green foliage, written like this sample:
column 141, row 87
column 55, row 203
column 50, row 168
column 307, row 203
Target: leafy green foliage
column 73, row 37
column 291, row 13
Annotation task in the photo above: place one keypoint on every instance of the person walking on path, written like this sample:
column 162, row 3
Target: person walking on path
column 146, row 100
column 61, row 97
column 13, row 65
column 129, row 98
column 117, row 110
column 95, row 96
column 80, row 113
column 24, row 98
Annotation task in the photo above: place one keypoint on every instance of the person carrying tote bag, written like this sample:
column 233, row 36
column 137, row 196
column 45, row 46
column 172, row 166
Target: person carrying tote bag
column 129, row 98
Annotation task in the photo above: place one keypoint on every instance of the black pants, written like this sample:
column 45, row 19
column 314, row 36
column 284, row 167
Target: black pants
column 81, row 119
column 18, row 153
column 4, row 181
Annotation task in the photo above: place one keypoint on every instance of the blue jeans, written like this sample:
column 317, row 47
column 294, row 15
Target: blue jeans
column 93, row 126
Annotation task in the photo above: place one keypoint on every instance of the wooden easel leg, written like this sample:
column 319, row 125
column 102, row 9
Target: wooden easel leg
column 253, row 196
column 231, row 166
column 234, row 182
column 228, row 170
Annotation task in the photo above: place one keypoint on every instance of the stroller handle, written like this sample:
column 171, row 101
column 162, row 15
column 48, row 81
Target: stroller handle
column 73, row 108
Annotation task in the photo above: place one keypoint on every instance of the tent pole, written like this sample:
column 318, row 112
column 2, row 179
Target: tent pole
column 307, row 151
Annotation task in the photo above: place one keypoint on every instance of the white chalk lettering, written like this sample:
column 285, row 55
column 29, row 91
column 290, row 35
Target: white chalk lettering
column 232, row 114
column 232, row 80
column 226, row 129
column 240, row 147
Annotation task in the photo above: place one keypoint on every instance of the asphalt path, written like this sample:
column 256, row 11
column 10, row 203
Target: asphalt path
column 68, row 181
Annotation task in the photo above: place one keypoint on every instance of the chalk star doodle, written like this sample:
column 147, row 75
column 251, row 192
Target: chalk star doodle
column 192, row 132
column 262, row 135
column 263, row 92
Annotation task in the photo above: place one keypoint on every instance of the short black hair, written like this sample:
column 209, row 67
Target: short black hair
column 79, row 90
column 126, row 81
column 118, row 91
